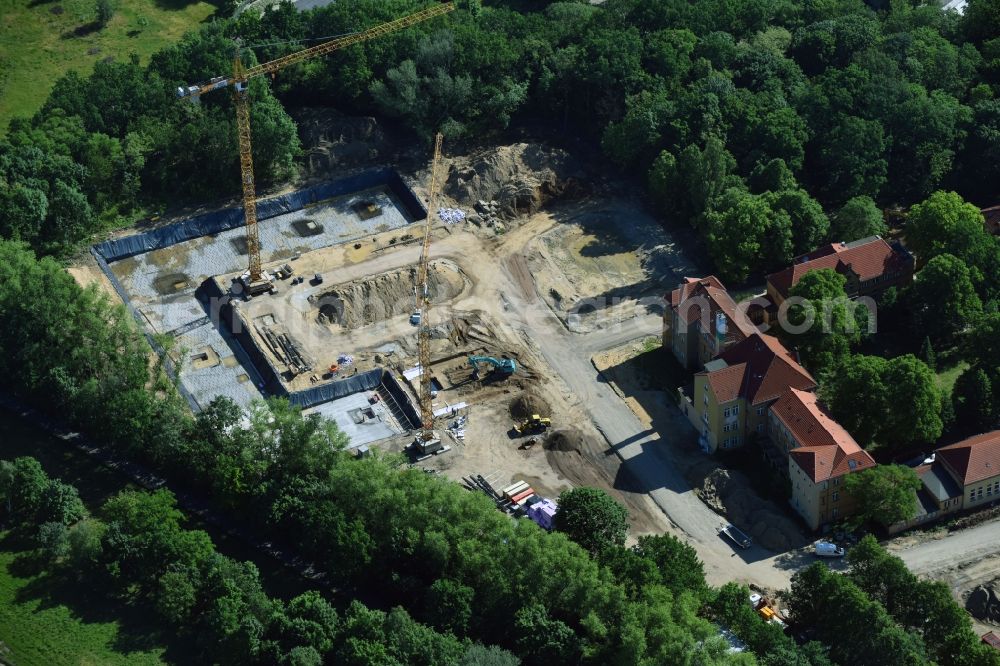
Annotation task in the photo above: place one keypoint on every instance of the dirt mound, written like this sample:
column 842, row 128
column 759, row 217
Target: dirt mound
column 335, row 141
column 983, row 603
column 730, row 493
column 528, row 404
column 385, row 295
column 520, row 178
column 564, row 440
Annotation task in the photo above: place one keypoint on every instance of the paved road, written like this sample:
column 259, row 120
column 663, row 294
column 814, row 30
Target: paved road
column 646, row 455
column 956, row 551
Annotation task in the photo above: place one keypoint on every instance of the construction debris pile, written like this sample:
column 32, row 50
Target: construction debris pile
column 520, row 179
column 984, row 603
column 731, row 494
column 283, row 348
column 451, row 215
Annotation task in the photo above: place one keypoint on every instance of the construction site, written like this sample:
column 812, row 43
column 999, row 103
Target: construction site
column 455, row 312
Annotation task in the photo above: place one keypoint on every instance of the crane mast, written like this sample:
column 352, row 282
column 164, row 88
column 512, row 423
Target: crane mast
column 239, row 82
column 424, row 301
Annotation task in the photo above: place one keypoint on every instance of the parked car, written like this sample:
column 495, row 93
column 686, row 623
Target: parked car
column 827, row 549
column 736, row 535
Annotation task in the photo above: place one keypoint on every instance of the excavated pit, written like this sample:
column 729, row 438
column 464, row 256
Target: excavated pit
column 380, row 297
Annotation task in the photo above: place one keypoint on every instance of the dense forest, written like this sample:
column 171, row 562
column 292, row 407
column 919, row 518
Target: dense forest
column 769, row 126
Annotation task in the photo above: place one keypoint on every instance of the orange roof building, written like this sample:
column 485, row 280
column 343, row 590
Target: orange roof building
column 702, row 321
column 870, row 265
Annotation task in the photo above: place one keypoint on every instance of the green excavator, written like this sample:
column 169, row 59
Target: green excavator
column 504, row 367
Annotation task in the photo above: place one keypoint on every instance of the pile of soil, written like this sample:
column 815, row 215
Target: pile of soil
column 527, row 404
column 983, row 602
column 332, row 140
column 730, row 493
column 385, row 295
column 520, row 178
column 564, row 440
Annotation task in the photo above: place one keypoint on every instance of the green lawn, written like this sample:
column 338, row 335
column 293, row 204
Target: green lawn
column 946, row 378
column 42, row 39
column 40, row 623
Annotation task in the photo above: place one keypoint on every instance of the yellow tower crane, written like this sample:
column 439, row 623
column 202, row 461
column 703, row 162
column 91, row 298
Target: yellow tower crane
column 239, row 82
column 428, row 440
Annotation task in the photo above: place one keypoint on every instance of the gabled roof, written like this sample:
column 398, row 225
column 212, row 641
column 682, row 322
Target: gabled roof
column 808, row 422
column 828, row 462
column 868, row 258
column 973, row 459
column 694, row 293
column 767, row 371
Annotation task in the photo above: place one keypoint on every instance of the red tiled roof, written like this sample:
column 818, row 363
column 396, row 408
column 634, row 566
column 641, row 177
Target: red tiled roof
column 726, row 383
column 826, row 449
column 828, row 462
column 769, row 369
column 991, row 216
column 975, row 458
column 991, row 639
column 868, row 259
column 718, row 299
column 808, row 422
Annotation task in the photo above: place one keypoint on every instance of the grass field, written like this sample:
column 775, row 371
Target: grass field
column 43, row 623
column 42, row 39
column 946, row 377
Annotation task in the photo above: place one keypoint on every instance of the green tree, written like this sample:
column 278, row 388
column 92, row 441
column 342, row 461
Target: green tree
column 677, row 562
column 745, row 234
column 103, row 11
column 177, row 596
column 23, row 483
column 850, row 159
column 945, row 300
column 53, row 539
column 974, row 401
column 542, row 639
column 859, row 217
column 449, row 605
column 60, row 503
column 927, row 354
column 910, row 382
column 590, row 517
column 835, row 319
column 885, row 494
column 809, row 223
column 945, row 223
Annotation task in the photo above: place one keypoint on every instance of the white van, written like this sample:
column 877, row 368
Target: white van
column 827, row 549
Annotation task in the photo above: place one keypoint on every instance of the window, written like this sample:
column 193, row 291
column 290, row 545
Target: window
column 736, row 410
column 989, row 490
column 760, row 411
column 836, row 496
column 706, row 401
column 836, row 482
column 836, row 512
column 760, row 427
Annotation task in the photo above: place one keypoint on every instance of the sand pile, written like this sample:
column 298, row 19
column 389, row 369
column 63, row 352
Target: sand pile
column 528, row 404
column 729, row 492
column 520, row 178
column 385, row 295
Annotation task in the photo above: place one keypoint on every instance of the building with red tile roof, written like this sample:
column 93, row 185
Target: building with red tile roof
column 974, row 463
column 702, row 321
column 735, row 390
column 820, row 452
column 870, row 265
